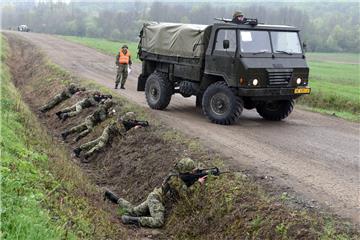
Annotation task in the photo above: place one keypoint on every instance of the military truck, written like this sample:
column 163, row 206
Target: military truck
column 227, row 66
column 23, row 28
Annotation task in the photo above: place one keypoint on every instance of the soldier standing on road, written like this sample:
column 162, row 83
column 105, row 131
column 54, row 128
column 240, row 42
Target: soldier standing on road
column 151, row 212
column 65, row 94
column 123, row 61
column 74, row 110
column 90, row 121
column 113, row 129
column 238, row 18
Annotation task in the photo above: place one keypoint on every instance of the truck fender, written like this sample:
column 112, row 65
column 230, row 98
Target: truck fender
column 209, row 79
column 141, row 83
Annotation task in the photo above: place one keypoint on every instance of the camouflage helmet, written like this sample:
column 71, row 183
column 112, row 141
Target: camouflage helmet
column 237, row 14
column 185, row 165
column 72, row 87
column 125, row 46
column 128, row 116
column 108, row 103
column 96, row 93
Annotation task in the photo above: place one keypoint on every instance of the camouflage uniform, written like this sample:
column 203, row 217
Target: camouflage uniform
column 113, row 129
column 122, row 69
column 106, row 137
column 90, row 121
column 79, row 106
column 65, row 94
column 154, row 205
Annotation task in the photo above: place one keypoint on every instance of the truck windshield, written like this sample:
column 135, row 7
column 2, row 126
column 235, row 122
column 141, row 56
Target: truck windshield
column 255, row 42
column 285, row 42
column 259, row 42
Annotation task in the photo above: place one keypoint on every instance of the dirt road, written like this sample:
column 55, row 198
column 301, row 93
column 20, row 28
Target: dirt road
column 316, row 156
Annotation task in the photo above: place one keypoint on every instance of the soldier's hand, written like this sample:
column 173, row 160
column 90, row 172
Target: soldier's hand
column 202, row 180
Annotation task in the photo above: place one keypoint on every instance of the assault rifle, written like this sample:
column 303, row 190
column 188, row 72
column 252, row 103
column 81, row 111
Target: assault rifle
column 249, row 21
column 191, row 177
column 129, row 124
column 100, row 97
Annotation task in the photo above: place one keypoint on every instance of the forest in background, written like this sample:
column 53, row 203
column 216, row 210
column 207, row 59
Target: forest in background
column 325, row 26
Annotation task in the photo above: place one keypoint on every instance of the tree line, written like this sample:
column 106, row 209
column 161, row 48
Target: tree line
column 325, row 27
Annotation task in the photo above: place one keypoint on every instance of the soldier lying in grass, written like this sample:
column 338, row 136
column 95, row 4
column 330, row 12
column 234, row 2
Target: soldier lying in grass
column 151, row 212
column 113, row 129
column 65, row 94
column 90, row 122
column 93, row 100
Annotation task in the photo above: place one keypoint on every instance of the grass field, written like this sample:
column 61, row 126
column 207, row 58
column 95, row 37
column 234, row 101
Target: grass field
column 105, row 46
column 335, row 83
column 334, row 78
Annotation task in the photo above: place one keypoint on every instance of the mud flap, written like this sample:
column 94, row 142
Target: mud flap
column 141, row 83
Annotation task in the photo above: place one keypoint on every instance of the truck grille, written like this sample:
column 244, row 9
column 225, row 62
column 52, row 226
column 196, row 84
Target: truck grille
column 279, row 77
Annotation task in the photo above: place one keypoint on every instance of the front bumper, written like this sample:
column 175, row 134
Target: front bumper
column 274, row 92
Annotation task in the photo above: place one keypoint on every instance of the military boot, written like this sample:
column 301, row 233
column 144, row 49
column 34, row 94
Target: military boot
column 64, row 117
column 58, row 114
column 116, row 85
column 64, row 135
column 77, row 151
column 122, row 86
column 111, row 197
column 130, row 220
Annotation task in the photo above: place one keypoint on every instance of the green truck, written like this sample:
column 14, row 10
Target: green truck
column 227, row 66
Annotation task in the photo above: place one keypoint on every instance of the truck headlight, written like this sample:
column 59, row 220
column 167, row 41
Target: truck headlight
column 298, row 81
column 255, row 82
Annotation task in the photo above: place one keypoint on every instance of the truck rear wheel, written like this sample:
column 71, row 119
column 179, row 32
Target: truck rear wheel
column 275, row 110
column 158, row 91
column 221, row 105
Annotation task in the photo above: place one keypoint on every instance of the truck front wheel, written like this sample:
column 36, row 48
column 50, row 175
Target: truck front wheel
column 275, row 110
column 221, row 105
column 158, row 91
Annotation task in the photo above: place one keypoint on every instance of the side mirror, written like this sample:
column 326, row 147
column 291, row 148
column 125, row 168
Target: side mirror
column 304, row 46
column 226, row 44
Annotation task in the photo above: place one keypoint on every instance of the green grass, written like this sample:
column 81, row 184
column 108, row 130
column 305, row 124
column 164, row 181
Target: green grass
column 23, row 185
column 335, row 88
column 105, row 46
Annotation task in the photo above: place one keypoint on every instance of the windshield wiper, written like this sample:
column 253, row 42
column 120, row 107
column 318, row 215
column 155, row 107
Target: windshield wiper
column 281, row 51
column 263, row 51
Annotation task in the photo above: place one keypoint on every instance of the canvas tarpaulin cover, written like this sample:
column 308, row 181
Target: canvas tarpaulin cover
column 174, row 39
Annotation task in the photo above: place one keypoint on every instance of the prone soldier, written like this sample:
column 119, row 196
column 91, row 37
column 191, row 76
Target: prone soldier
column 155, row 201
column 113, row 129
column 65, row 94
column 90, row 122
column 74, row 110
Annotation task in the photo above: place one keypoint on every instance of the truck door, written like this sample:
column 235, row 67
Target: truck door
column 221, row 62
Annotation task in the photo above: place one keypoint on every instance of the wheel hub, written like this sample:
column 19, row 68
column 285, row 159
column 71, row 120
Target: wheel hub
column 219, row 103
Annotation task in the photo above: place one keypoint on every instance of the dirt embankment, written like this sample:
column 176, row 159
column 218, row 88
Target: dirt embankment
column 227, row 208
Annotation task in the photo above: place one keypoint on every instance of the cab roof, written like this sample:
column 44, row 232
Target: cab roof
column 257, row 27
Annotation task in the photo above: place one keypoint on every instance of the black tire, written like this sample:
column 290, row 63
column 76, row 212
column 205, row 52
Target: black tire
column 221, row 105
column 158, row 91
column 275, row 110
